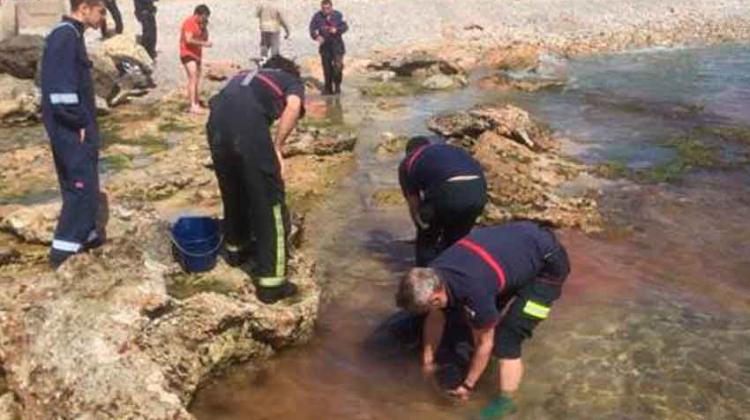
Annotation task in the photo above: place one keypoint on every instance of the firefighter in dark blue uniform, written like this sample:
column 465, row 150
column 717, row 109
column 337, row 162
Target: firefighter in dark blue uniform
column 326, row 27
column 518, row 268
column 145, row 12
column 249, row 168
column 446, row 191
column 69, row 115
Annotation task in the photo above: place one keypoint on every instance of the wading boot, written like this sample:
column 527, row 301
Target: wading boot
column 497, row 408
column 269, row 295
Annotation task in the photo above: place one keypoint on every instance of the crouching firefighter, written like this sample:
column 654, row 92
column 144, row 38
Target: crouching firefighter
column 249, row 167
column 517, row 269
column 446, row 192
column 69, row 115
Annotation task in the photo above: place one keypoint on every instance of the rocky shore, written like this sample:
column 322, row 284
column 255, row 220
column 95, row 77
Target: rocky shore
column 121, row 332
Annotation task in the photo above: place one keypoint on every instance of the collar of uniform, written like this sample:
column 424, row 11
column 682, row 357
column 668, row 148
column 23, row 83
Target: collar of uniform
column 78, row 24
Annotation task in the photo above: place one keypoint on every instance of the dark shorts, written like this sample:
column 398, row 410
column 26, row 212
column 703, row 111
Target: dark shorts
column 186, row 59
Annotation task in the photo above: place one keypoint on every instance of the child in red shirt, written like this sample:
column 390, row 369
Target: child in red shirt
column 193, row 37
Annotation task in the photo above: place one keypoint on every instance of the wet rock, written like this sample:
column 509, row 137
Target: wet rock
column 104, row 332
column 439, row 82
column 20, row 100
column 528, row 84
column 8, row 255
column 421, row 62
column 509, row 121
column 9, row 409
column 20, row 55
column 515, row 57
column 391, row 144
column 383, row 75
column 33, row 224
column 321, row 142
column 221, row 70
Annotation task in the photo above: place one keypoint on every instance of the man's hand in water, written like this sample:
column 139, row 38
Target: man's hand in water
column 461, row 393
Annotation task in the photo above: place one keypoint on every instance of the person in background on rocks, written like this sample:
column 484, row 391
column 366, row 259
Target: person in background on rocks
column 69, row 116
column 193, row 37
column 250, row 169
column 116, row 16
column 326, row 27
column 145, row 12
column 445, row 190
column 517, row 269
column 270, row 22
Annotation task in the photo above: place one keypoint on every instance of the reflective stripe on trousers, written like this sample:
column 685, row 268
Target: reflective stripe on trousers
column 280, row 272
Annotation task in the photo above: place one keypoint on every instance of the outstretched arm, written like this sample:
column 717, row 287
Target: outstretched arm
column 483, row 342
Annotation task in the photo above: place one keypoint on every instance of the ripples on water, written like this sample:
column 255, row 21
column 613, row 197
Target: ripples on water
column 653, row 324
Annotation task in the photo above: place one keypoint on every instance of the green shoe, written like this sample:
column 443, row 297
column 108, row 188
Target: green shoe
column 498, row 408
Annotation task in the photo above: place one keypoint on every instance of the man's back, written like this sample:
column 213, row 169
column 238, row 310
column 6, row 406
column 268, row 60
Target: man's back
column 269, row 17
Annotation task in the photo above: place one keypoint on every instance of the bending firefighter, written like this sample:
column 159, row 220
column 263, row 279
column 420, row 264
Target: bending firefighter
column 517, row 269
column 249, row 168
column 446, row 192
column 69, row 115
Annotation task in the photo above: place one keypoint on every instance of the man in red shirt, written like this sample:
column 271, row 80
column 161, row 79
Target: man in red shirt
column 193, row 37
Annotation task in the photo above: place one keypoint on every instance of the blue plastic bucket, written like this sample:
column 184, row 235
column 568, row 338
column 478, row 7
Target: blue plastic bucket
column 196, row 242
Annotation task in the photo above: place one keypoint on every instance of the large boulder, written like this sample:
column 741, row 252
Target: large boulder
column 20, row 100
column 419, row 63
column 20, row 55
column 33, row 224
column 319, row 141
column 524, row 171
column 509, row 121
column 122, row 68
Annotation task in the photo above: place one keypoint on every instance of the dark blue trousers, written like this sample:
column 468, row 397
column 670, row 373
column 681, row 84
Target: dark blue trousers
column 76, row 164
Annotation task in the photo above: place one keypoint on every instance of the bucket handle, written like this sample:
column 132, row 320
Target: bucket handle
column 190, row 254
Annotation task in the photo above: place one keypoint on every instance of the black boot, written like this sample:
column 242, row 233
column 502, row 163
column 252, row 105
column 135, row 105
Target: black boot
column 269, row 295
column 57, row 258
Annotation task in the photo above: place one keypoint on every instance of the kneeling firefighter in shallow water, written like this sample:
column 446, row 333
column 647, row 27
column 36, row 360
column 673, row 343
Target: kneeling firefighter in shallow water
column 491, row 288
column 249, row 167
column 445, row 190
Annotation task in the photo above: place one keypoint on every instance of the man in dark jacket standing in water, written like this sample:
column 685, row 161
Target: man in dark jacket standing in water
column 445, row 190
column 250, row 168
column 517, row 269
column 69, row 115
column 326, row 27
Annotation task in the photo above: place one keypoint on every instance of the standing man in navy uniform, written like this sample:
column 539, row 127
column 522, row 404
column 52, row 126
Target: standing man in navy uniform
column 518, row 268
column 69, row 115
column 326, row 27
column 446, row 191
column 249, row 167
column 145, row 12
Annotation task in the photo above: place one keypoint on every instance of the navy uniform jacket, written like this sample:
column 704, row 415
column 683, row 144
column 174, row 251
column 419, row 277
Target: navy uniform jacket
column 429, row 166
column 489, row 263
column 68, row 101
column 321, row 25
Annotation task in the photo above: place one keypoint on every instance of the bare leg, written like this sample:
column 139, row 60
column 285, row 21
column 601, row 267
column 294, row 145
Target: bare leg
column 192, row 70
column 509, row 375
